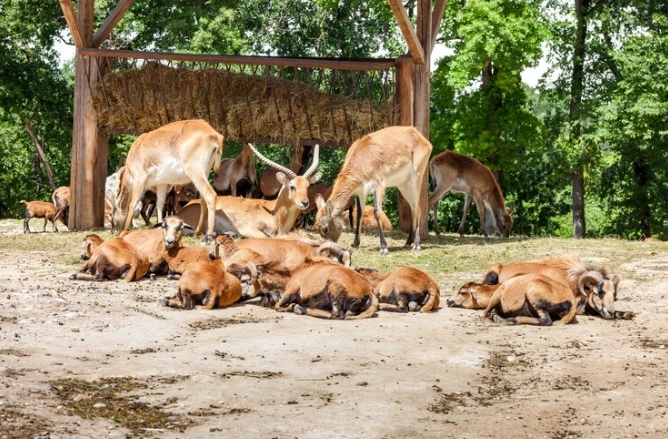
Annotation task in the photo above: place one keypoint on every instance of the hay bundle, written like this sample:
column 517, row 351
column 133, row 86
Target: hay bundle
column 238, row 105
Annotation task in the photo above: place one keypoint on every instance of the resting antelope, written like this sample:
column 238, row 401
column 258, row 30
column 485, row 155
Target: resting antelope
column 392, row 157
column 269, row 184
column 454, row 172
column 176, row 153
column 256, row 218
column 232, row 171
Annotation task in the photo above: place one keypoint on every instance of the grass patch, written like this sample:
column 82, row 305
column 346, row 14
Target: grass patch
column 111, row 398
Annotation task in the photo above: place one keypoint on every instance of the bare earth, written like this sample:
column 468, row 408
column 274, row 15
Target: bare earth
column 250, row 372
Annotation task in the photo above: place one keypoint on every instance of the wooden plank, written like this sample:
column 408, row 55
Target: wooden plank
column 324, row 63
column 436, row 19
column 72, row 22
column 407, row 30
column 111, row 21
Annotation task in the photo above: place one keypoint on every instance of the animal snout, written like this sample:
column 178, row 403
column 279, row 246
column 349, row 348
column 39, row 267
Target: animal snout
column 450, row 302
column 608, row 312
column 303, row 204
column 169, row 242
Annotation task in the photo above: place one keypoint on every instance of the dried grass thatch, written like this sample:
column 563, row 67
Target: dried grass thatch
column 238, row 105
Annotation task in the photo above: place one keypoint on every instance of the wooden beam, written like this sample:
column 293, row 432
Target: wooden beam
column 72, row 22
column 436, row 18
column 408, row 31
column 111, row 21
column 249, row 60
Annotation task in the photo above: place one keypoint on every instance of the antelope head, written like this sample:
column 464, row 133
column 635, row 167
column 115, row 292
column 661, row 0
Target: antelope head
column 296, row 185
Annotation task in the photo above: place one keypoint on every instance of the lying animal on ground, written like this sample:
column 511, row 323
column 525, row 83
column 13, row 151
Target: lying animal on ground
column 532, row 299
column 265, row 265
column 153, row 244
column 89, row 245
column 40, row 209
column 392, row 157
column 403, row 289
column 112, row 259
column 207, row 284
column 649, row 239
column 180, row 258
column 328, row 291
column 570, row 271
column 472, row 295
column 454, row 172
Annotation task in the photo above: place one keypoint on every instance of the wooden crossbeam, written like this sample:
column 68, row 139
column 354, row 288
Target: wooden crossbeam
column 111, row 21
column 72, row 22
column 407, row 30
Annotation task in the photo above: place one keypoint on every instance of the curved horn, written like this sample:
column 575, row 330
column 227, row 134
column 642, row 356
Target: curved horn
column 314, row 165
column 283, row 169
column 335, row 249
column 589, row 276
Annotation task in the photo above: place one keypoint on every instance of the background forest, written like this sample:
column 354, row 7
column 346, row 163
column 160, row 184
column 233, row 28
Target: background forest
column 579, row 154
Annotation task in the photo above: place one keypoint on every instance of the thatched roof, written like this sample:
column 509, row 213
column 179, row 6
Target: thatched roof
column 240, row 106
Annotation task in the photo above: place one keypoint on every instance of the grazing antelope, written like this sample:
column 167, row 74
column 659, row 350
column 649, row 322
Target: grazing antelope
column 392, row 157
column 176, row 153
column 61, row 199
column 456, row 172
column 256, row 218
column 232, row 171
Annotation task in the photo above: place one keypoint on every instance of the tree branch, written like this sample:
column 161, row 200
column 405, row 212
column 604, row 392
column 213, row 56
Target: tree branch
column 40, row 153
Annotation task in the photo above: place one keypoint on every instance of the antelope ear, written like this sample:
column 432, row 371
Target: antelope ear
column 315, row 177
column 329, row 207
column 282, row 179
column 615, row 280
column 319, row 201
column 511, row 209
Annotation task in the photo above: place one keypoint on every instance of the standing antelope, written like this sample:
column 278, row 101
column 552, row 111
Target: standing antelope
column 257, row 218
column 456, row 172
column 176, row 153
column 392, row 157
column 232, row 171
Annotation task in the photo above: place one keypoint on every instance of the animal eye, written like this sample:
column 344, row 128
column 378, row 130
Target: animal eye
column 293, row 188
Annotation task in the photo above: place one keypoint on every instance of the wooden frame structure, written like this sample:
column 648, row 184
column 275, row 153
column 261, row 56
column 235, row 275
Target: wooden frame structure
column 90, row 146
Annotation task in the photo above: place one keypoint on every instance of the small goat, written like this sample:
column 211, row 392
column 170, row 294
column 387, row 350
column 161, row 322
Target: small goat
column 455, row 172
column 403, row 289
column 154, row 244
column 532, row 299
column 61, row 199
column 180, row 258
column 392, row 157
column 232, row 171
column 329, row 291
column 472, row 295
column 40, row 209
column 176, row 153
column 110, row 260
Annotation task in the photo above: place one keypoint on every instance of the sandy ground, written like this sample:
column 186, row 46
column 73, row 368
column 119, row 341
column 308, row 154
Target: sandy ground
column 249, row 372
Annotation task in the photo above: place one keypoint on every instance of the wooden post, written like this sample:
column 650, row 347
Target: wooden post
column 404, row 90
column 422, row 89
column 90, row 148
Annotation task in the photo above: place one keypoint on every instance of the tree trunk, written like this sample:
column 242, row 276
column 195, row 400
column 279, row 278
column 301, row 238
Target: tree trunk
column 577, row 85
column 641, row 171
column 40, row 153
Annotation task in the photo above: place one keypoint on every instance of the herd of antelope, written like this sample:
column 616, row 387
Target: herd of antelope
column 289, row 271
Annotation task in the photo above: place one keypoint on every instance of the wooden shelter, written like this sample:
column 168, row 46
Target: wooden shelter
column 93, row 66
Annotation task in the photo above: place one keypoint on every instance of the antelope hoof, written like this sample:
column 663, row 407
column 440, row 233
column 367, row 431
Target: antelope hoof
column 152, row 276
column 73, row 276
column 384, row 251
column 414, row 306
column 298, row 309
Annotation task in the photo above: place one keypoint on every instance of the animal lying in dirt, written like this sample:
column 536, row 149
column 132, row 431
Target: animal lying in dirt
column 110, row 260
column 532, row 299
column 600, row 287
column 329, row 291
column 403, row 289
column 206, row 284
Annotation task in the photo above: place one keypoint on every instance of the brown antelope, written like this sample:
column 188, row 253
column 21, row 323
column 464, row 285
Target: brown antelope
column 454, row 172
column 232, row 171
column 392, row 157
column 61, row 199
column 256, row 218
column 176, row 153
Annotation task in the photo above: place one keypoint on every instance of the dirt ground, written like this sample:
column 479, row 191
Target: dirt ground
column 98, row 360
